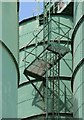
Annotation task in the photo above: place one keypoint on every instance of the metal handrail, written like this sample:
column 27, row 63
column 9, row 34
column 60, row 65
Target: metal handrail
column 34, row 49
column 67, row 87
column 66, row 97
column 61, row 34
column 35, row 36
column 61, row 24
column 61, row 99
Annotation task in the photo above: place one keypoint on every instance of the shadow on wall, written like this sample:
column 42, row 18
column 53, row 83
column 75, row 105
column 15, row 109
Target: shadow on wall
column 75, row 108
column 38, row 100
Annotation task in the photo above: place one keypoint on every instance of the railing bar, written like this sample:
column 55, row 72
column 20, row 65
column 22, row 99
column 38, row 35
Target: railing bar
column 60, row 28
column 61, row 35
column 29, row 53
column 66, row 33
column 33, row 84
column 35, row 47
column 36, row 58
column 62, row 24
column 38, row 33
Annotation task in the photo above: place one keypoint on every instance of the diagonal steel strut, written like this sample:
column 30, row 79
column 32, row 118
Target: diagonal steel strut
column 25, row 73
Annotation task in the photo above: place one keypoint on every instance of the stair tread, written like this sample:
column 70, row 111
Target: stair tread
column 38, row 68
column 57, row 48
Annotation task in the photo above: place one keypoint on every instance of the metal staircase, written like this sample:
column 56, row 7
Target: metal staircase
column 42, row 63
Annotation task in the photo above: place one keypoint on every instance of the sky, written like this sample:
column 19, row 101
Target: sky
column 29, row 9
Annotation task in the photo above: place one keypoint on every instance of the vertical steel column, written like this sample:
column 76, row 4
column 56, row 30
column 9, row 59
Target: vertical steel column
column 65, row 97
column 45, row 59
column 58, row 74
column 53, row 89
column 47, row 30
column 58, row 87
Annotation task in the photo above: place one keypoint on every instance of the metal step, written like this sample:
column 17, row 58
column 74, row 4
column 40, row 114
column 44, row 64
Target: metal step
column 37, row 69
column 58, row 49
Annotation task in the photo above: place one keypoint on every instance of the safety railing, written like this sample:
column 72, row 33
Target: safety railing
column 38, row 44
column 65, row 97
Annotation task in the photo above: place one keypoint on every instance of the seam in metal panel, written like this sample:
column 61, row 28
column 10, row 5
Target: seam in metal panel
column 78, row 88
column 34, row 18
column 13, row 58
column 78, row 24
column 78, row 46
column 78, row 109
column 80, row 64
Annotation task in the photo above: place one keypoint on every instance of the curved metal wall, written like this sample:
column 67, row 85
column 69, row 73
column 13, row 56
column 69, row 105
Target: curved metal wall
column 78, row 60
column 9, row 59
column 30, row 103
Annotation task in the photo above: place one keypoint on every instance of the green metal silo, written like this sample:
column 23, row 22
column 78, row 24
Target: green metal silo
column 78, row 60
column 9, row 72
